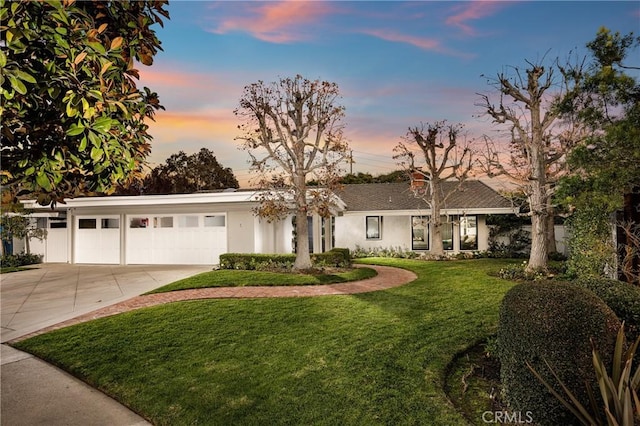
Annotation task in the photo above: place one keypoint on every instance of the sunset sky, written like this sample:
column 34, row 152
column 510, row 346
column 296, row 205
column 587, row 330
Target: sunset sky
column 397, row 63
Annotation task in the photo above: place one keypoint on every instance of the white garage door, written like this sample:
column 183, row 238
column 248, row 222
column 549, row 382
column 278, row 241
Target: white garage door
column 97, row 239
column 186, row 239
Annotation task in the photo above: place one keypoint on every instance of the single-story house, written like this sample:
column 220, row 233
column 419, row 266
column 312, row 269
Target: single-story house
column 197, row 228
column 389, row 215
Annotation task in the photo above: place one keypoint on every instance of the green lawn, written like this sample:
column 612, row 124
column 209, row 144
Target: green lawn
column 231, row 278
column 368, row 359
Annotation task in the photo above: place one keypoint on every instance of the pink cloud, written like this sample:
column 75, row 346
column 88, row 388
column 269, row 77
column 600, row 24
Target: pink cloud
column 276, row 22
column 422, row 43
column 419, row 42
column 470, row 11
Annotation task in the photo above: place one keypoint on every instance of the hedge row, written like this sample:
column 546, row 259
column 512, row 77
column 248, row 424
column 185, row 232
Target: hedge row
column 337, row 257
column 21, row 259
column 552, row 321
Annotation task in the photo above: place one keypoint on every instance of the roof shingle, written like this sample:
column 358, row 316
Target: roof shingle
column 398, row 196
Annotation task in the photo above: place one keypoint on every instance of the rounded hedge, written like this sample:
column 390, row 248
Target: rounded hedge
column 551, row 321
column 623, row 299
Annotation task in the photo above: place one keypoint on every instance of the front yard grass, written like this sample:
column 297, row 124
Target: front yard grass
column 367, row 359
column 232, row 278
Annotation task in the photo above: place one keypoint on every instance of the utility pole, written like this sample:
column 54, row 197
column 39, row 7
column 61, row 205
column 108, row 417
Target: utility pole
column 351, row 162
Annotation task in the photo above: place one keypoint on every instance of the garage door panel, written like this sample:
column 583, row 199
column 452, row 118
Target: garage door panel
column 97, row 239
column 178, row 239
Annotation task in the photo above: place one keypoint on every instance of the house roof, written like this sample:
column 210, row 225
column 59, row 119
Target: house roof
column 472, row 196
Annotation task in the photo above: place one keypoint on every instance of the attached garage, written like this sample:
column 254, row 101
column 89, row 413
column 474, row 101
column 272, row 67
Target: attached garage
column 174, row 229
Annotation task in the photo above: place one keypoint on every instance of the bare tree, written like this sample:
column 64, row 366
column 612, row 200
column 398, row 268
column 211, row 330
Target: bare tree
column 293, row 132
column 445, row 158
column 538, row 144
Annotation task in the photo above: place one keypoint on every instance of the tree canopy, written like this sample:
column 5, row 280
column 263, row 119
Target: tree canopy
column 73, row 118
column 183, row 174
column 606, row 164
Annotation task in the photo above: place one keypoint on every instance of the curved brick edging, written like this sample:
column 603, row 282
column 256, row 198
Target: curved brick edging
column 388, row 277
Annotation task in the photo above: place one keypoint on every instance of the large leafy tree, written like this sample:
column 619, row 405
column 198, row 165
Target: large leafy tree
column 73, row 118
column 442, row 155
column 293, row 133
column 605, row 166
column 183, row 174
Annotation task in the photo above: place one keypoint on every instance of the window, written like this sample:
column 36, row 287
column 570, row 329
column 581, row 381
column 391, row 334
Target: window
column 187, row 221
column 420, row 232
column 447, row 234
column 110, row 223
column 214, row 221
column 468, row 233
column 86, row 224
column 374, row 225
column 139, row 222
column 58, row 224
column 163, row 222
column 41, row 223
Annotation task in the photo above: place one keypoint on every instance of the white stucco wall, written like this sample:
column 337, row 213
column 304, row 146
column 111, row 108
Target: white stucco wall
column 351, row 232
column 395, row 232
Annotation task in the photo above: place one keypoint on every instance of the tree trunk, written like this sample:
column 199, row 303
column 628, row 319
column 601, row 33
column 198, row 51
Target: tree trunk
column 303, row 259
column 538, row 197
column 436, row 247
column 538, row 205
column 539, row 255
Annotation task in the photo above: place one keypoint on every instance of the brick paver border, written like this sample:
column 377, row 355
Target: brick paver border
column 387, row 277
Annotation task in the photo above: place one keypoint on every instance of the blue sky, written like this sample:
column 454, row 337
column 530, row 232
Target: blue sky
column 397, row 63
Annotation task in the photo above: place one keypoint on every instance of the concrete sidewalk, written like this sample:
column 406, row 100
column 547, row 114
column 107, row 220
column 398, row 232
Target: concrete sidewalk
column 36, row 393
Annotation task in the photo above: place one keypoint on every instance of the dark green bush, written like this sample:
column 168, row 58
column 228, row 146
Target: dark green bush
column 622, row 298
column 337, row 257
column 21, row 259
column 552, row 321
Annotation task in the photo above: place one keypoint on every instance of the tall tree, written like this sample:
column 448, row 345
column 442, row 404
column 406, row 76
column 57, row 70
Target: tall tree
column 444, row 157
column 293, row 132
column 605, row 165
column 73, row 119
column 183, row 174
column 538, row 140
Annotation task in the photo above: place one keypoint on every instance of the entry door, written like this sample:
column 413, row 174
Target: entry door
column 97, row 239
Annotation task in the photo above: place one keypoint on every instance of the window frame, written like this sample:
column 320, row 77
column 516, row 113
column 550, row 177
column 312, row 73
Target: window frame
column 460, row 236
column 378, row 228
column 427, row 236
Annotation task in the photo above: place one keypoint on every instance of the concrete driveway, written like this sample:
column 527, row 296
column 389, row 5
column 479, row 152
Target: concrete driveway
column 50, row 293
column 36, row 393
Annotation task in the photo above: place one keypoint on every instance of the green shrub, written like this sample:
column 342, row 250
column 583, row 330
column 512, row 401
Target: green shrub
column 592, row 251
column 21, row 259
column 338, row 258
column 616, row 388
column 552, row 321
column 394, row 252
column 622, row 298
